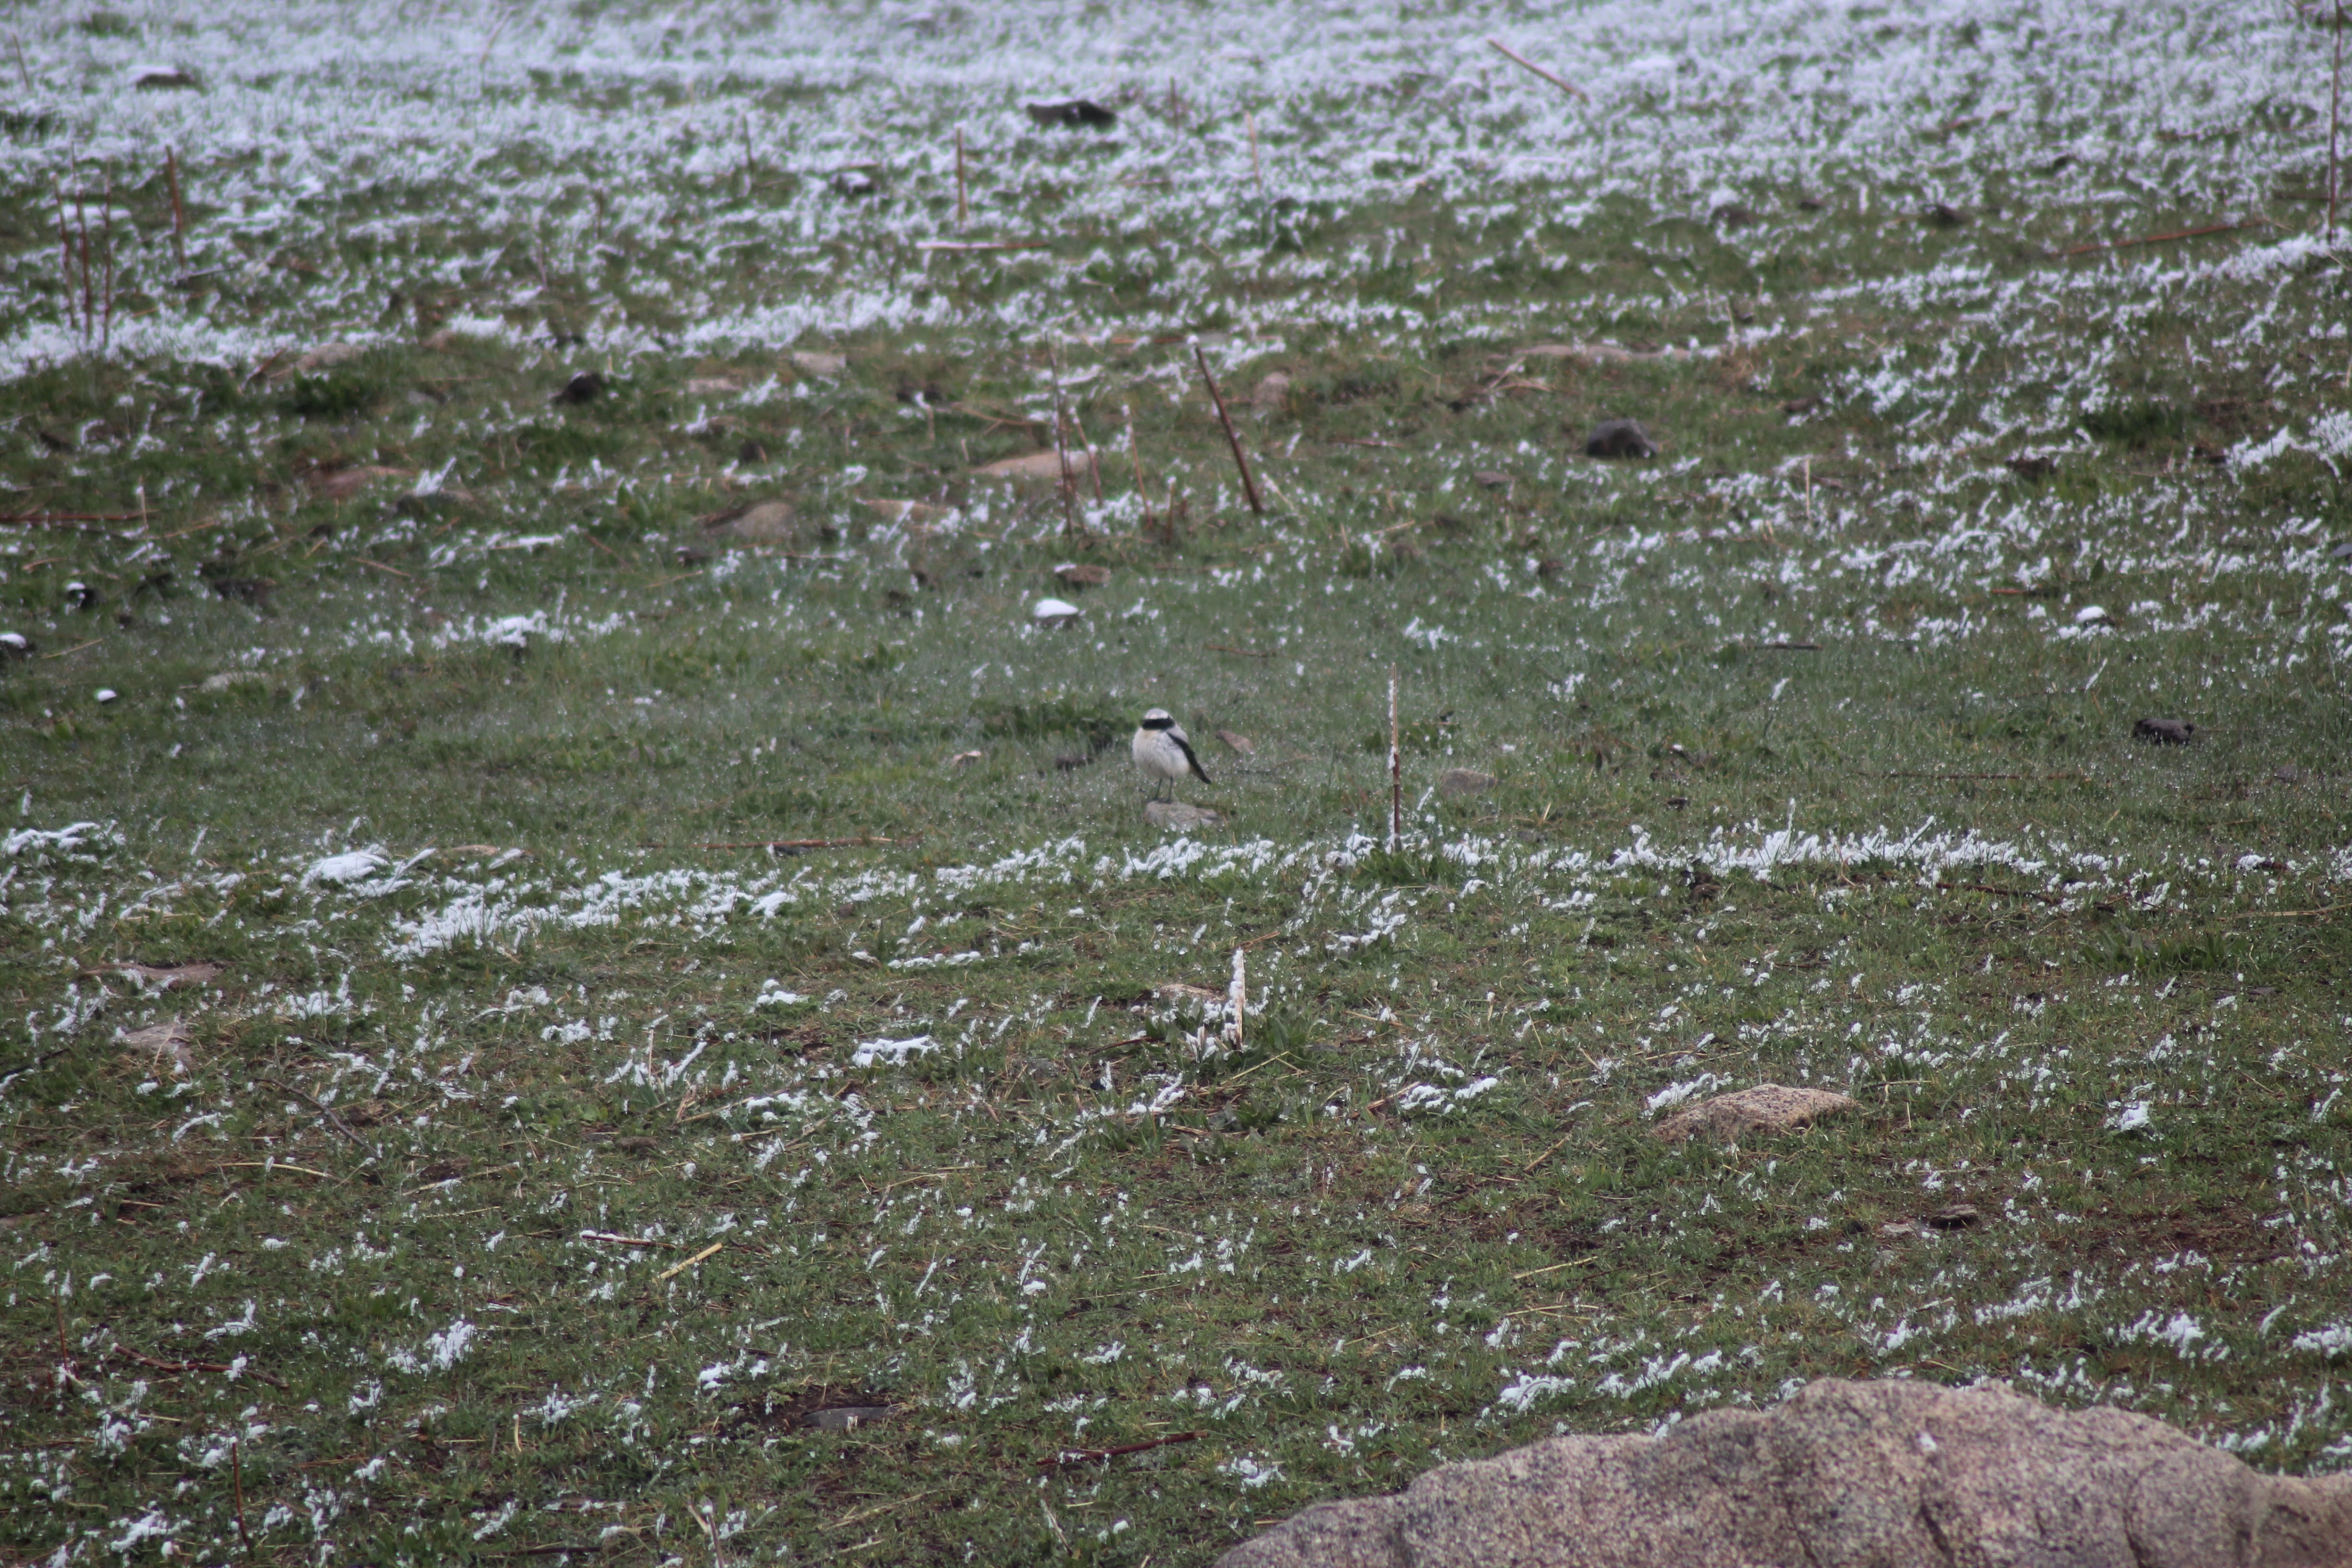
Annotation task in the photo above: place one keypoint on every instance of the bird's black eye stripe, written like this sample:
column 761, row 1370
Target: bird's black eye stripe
column 1159, row 723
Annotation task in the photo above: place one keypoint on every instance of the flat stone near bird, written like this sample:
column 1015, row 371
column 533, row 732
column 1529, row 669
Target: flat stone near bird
column 1767, row 1108
column 1053, row 612
column 1175, row 817
column 1456, row 782
column 1620, row 439
column 2164, row 732
column 1083, row 573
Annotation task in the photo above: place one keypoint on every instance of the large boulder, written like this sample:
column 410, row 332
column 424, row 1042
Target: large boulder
column 1844, row 1475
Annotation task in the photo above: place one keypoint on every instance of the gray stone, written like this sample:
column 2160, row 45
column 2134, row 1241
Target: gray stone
column 1455, row 783
column 1177, row 817
column 1845, row 1475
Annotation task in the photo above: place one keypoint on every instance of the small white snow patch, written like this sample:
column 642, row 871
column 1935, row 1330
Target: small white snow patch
column 894, row 1052
column 355, row 866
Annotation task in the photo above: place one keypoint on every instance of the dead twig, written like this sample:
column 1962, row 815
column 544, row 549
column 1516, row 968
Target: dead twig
column 179, row 214
column 333, row 1121
column 1521, row 60
column 247, row 1370
column 2162, row 239
column 1249, row 485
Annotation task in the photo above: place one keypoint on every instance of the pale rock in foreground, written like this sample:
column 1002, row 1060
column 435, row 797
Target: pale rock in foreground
column 1893, row 1474
column 1038, row 465
column 1175, row 817
column 1767, row 1108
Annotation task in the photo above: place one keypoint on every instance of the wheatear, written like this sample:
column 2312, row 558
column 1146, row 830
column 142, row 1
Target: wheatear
column 1163, row 752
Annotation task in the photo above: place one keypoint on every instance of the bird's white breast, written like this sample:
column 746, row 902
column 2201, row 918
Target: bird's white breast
column 1159, row 757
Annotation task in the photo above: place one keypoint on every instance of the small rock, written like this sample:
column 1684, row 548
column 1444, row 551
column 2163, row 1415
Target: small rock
column 2033, row 465
column 1944, row 216
column 15, row 645
column 711, row 386
column 165, row 78
column 813, row 361
column 341, row 484
column 1455, row 783
column 1053, row 612
column 1073, row 112
column 2289, row 774
column 2164, row 732
column 1240, row 745
column 105, row 694
column 163, row 977
column 763, row 522
column 1271, row 395
column 157, row 1041
column 1767, row 1108
column 1175, row 817
column 2093, row 615
column 1954, row 1216
column 229, row 680
column 1491, row 480
column 585, row 387
column 1734, row 217
column 81, row 595
column 2342, row 552
column 1620, row 439
column 852, row 183
column 1045, row 466
column 1082, row 574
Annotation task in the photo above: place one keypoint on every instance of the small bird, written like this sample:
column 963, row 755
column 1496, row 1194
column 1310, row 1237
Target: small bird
column 1163, row 752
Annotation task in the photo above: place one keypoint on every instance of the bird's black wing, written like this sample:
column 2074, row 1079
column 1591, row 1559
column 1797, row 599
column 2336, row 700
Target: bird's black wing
column 1192, row 759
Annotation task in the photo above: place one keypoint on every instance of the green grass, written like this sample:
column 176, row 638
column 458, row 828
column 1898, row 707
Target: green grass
column 456, row 1138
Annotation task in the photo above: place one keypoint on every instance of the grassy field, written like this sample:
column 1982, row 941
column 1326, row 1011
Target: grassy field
column 439, row 1126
